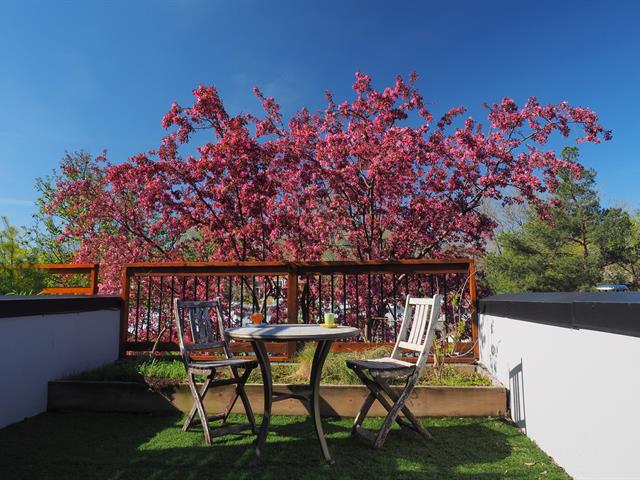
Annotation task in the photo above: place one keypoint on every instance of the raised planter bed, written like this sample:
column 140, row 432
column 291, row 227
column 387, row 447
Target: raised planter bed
column 338, row 400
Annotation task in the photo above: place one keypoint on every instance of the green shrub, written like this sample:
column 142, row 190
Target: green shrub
column 335, row 370
column 16, row 256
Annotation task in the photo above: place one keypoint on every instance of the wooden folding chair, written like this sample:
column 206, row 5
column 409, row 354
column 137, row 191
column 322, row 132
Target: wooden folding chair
column 416, row 334
column 203, row 339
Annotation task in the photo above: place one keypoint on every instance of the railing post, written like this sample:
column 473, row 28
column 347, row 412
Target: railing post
column 292, row 303
column 93, row 279
column 124, row 313
column 473, row 300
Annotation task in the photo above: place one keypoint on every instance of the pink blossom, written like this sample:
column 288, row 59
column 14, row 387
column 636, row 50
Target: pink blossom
column 354, row 181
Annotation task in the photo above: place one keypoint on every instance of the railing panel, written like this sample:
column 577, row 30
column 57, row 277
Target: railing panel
column 375, row 302
column 86, row 284
column 149, row 290
column 369, row 295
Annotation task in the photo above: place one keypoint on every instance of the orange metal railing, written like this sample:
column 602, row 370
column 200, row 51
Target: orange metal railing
column 298, row 291
column 88, row 269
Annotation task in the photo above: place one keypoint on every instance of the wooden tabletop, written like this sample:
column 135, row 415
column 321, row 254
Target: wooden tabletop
column 282, row 333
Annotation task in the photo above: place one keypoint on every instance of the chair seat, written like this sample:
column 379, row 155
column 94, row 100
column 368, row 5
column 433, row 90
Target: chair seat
column 383, row 364
column 223, row 362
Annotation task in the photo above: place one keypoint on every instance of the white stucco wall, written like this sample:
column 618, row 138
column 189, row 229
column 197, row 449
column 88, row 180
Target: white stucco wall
column 575, row 392
column 40, row 348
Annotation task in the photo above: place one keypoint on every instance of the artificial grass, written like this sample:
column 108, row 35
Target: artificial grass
column 334, row 372
column 122, row 446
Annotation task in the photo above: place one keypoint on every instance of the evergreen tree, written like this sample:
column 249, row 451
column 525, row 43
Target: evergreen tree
column 580, row 245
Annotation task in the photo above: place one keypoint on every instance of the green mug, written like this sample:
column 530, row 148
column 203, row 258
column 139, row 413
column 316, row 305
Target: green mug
column 330, row 318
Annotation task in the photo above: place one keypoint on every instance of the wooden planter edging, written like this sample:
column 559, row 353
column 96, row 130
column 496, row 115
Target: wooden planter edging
column 337, row 400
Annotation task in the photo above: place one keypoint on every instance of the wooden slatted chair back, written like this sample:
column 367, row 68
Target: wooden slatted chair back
column 418, row 327
column 203, row 335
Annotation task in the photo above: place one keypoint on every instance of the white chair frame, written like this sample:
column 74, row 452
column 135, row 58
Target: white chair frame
column 416, row 334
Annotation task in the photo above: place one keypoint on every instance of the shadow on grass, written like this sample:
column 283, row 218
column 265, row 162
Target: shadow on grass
column 105, row 446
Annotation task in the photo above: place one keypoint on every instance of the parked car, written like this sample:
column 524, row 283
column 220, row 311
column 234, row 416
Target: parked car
column 610, row 287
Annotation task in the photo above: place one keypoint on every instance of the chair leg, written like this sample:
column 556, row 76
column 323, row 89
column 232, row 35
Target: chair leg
column 393, row 413
column 366, row 405
column 245, row 400
column 376, row 391
column 240, row 392
column 417, row 425
column 232, row 401
column 200, row 408
column 203, row 391
column 362, row 414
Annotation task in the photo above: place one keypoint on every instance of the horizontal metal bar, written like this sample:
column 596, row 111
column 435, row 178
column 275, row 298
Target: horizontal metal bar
column 67, row 267
column 186, row 272
column 458, row 265
column 455, row 265
column 206, row 268
column 205, row 264
column 68, row 290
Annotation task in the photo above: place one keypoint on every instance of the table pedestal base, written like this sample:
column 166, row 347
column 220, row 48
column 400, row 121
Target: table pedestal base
column 310, row 395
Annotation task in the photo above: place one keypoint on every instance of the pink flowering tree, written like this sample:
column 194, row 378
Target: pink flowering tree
column 372, row 178
column 398, row 186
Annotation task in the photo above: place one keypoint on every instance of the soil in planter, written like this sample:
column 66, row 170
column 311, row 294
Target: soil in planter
column 169, row 370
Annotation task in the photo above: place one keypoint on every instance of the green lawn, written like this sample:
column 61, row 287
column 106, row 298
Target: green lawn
column 118, row 446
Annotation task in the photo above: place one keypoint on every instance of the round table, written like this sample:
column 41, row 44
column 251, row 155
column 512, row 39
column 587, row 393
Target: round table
column 287, row 333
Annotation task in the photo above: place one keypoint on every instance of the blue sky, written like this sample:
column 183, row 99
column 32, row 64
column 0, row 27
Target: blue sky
column 100, row 75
